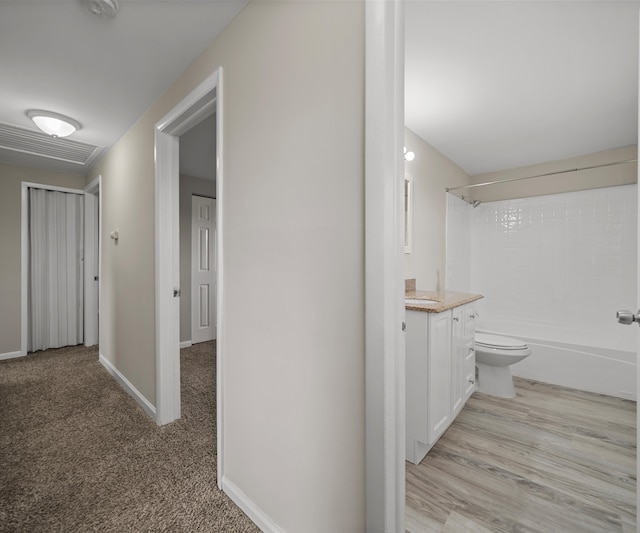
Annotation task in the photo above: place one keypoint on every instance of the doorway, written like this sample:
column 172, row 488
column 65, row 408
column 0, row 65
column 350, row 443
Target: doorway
column 93, row 249
column 197, row 185
column 201, row 103
column 89, row 240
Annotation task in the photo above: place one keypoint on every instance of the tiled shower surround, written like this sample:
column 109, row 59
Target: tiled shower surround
column 551, row 267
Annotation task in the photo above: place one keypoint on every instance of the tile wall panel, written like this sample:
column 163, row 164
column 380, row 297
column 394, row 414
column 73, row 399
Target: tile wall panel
column 560, row 264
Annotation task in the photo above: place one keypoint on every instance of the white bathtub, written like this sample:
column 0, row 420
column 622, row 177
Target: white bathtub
column 590, row 368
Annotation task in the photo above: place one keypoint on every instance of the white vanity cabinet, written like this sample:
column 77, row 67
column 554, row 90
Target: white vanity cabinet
column 440, row 373
column 463, row 362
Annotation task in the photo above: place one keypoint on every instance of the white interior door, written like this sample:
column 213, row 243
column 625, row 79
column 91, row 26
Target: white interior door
column 92, row 265
column 56, row 274
column 203, row 292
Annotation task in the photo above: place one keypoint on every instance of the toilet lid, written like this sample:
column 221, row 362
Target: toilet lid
column 499, row 341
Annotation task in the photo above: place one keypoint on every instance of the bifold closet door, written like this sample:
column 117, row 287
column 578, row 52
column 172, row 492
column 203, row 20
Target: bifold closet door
column 56, row 245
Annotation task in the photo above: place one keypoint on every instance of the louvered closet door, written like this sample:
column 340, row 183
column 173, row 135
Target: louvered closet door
column 203, row 320
column 56, row 275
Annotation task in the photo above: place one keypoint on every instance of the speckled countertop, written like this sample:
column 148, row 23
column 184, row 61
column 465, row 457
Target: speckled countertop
column 445, row 300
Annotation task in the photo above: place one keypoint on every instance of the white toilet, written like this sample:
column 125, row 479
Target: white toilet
column 494, row 354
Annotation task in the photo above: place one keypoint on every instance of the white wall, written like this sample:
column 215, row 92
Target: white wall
column 431, row 173
column 558, row 266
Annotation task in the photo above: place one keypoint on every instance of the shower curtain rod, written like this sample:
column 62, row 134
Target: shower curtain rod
column 448, row 189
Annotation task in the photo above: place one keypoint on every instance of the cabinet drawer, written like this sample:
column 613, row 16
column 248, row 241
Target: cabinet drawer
column 469, row 314
column 469, row 371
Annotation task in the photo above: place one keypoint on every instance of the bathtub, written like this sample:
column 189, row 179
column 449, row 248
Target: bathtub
column 604, row 370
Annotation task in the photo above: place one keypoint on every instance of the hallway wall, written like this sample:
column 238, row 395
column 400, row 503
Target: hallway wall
column 293, row 258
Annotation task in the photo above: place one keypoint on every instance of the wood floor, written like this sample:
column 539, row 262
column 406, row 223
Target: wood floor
column 551, row 460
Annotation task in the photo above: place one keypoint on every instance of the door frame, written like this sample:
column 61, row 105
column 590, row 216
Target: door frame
column 203, row 101
column 24, row 255
column 92, row 201
column 384, row 266
column 638, row 303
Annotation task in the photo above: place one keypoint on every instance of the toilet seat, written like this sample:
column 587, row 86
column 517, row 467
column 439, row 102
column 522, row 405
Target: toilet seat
column 494, row 355
column 499, row 342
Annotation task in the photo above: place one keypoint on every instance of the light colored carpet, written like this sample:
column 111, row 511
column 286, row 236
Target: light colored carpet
column 78, row 454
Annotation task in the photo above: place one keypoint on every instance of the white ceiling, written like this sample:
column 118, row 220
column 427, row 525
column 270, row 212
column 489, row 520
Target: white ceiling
column 491, row 85
column 497, row 85
column 105, row 73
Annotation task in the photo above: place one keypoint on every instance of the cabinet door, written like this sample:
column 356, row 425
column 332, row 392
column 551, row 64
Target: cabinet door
column 439, row 374
column 469, row 354
column 458, row 353
column 417, row 385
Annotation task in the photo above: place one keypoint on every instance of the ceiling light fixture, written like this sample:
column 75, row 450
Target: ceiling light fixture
column 53, row 124
column 408, row 156
column 108, row 8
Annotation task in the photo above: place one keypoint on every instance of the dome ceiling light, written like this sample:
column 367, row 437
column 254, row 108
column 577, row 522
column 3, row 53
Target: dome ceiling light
column 107, row 8
column 53, row 124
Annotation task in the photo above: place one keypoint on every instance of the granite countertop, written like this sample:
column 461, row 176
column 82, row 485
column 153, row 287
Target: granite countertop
column 445, row 300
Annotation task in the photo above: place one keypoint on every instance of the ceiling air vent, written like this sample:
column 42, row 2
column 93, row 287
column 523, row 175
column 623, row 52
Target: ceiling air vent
column 36, row 143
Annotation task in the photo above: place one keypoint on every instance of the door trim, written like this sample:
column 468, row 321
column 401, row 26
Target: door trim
column 24, row 256
column 384, row 269
column 638, row 333
column 92, row 200
column 204, row 100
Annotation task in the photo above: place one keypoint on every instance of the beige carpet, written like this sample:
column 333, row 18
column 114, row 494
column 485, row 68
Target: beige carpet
column 77, row 453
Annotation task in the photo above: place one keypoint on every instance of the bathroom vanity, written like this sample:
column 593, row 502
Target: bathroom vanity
column 440, row 364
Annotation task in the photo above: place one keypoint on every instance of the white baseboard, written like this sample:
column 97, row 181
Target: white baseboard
column 127, row 386
column 11, row 355
column 185, row 344
column 249, row 508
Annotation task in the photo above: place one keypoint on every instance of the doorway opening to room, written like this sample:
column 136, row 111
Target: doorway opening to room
column 197, row 205
column 92, row 261
column 194, row 124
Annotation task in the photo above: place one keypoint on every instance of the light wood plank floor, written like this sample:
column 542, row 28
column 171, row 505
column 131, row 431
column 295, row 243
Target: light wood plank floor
column 550, row 460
